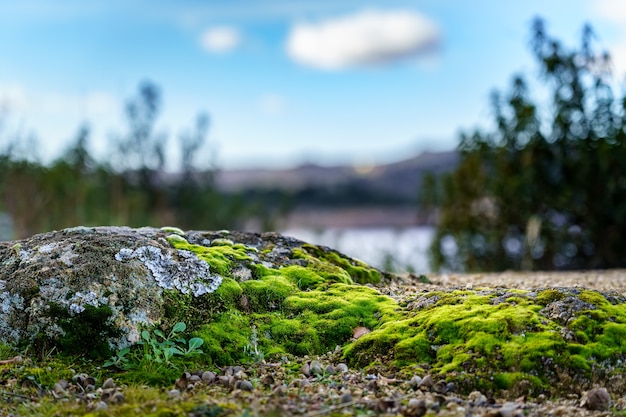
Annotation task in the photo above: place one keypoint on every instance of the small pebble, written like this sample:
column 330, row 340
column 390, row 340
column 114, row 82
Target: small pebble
column 101, row 406
column 195, row 378
column 279, row 391
column 117, row 398
column 60, row 387
column 174, row 393
column 427, row 382
column 208, row 377
column 416, row 408
column 415, row 382
column 226, row 380
column 109, row 383
column 306, row 370
column 439, row 387
column 330, row 370
column 477, row 398
column 316, row 368
column 246, row 386
column 508, row 410
column 341, row 368
column 346, row 397
column 267, row 380
column 596, row 399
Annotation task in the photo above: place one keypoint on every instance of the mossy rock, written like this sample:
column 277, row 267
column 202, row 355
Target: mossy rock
column 523, row 342
column 91, row 290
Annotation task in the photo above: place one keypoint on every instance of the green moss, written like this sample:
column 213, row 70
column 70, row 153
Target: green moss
column 546, row 297
column 465, row 332
column 303, row 278
column 219, row 257
column 195, row 311
column 225, row 339
column 86, row 333
column 508, row 380
column 358, row 271
column 268, row 293
column 593, row 297
column 174, row 238
column 173, row 230
column 288, row 320
column 297, row 336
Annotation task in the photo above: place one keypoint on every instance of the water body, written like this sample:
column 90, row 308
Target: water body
column 392, row 249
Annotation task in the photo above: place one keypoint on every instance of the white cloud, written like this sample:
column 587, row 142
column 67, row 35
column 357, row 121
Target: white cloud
column 614, row 12
column 21, row 102
column 272, row 104
column 13, row 97
column 365, row 38
column 220, row 39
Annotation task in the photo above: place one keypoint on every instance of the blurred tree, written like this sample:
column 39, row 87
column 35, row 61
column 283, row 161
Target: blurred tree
column 132, row 188
column 546, row 189
column 139, row 156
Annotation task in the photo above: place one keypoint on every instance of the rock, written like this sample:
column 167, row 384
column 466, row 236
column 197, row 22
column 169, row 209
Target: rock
column 60, row 387
column 316, row 368
column 426, row 383
column 101, row 406
column 208, row 377
column 90, row 290
column 415, row 408
column 415, row 381
column 244, row 385
column 341, row 368
column 346, row 397
column 596, row 399
column 108, row 384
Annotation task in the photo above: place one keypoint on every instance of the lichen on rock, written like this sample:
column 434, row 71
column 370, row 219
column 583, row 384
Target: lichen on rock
column 188, row 273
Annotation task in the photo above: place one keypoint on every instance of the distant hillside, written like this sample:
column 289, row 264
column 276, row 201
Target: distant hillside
column 395, row 182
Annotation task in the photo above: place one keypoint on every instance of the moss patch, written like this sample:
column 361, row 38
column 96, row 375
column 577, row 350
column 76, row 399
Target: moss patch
column 84, row 333
column 356, row 270
column 220, row 256
column 307, row 304
column 477, row 333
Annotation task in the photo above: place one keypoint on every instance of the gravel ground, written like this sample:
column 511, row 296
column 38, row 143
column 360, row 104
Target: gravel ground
column 577, row 403
column 612, row 280
column 319, row 386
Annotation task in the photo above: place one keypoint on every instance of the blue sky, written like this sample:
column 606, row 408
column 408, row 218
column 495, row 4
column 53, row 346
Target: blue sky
column 284, row 81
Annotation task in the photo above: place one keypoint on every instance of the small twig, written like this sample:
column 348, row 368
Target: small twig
column 10, row 394
column 17, row 359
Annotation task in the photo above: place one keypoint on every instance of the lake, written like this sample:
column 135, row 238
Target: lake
column 391, row 249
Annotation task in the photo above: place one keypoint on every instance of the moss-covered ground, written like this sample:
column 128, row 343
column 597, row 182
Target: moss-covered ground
column 268, row 315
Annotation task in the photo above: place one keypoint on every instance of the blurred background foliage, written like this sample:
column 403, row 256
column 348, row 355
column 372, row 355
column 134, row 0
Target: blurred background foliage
column 131, row 188
column 546, row 187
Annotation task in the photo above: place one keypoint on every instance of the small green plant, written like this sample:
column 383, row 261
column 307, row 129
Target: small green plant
column 158, row 348
column 252, row 349
column 120, row 360
column 161, row 348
